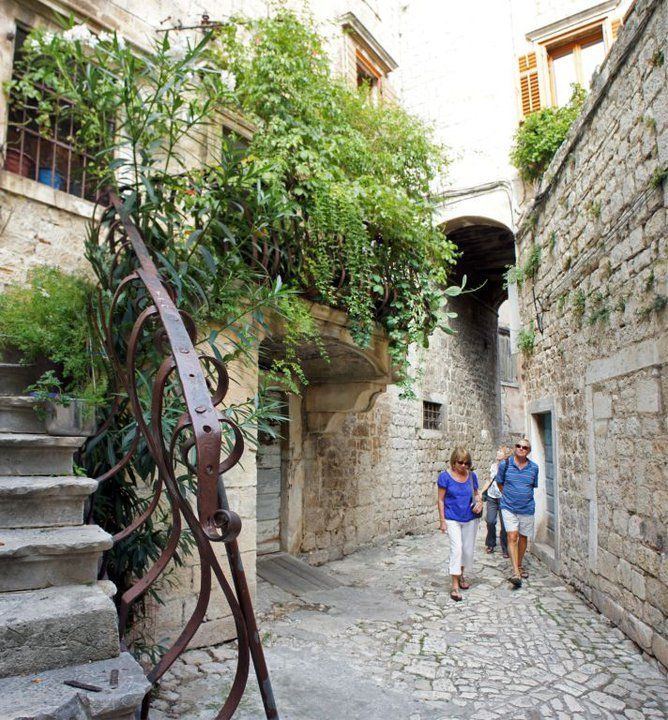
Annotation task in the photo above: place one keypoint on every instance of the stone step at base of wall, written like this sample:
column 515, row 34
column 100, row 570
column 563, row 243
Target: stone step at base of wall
column 45, row 629
column 34, row 558
column 44, row 695
column 36, row 454
column 43, row 500
column 18, row 415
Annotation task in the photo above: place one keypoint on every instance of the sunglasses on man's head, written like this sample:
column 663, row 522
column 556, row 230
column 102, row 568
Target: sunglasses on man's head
column 464, row 462
column 522, row 447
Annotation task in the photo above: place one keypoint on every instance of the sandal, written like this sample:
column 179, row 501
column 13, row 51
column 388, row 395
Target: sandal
column 515, row 581
column 523, row 573
column 489, row 550
column 463, row 585
column 454, row 595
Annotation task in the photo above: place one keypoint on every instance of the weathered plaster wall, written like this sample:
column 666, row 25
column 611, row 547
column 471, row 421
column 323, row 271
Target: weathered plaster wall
column 600, row 363
column 375, row 476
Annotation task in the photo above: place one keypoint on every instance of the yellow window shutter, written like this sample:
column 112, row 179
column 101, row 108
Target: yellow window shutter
column 615, row 25
column 529, row 85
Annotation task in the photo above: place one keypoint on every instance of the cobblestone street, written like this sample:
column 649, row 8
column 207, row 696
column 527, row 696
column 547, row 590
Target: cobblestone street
column 389, row 644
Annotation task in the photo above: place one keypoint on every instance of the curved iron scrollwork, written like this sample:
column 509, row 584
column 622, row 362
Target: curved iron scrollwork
column 196, row 443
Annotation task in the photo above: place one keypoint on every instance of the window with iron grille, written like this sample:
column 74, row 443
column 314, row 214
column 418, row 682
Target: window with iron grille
column 431, row 415
column 51, row 160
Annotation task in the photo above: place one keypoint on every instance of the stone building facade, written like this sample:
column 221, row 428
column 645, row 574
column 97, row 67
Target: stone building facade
column 596, row 381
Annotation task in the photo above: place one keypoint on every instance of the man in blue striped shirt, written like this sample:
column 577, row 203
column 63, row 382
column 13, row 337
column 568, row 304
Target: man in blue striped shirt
column 517, row 478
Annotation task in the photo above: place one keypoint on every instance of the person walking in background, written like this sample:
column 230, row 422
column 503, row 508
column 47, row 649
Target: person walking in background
column 493, row 509
column 459, row 501
column 517, row 478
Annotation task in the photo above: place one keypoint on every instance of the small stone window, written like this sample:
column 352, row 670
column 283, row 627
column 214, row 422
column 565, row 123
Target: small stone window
column 432, row 415
column 49, row 160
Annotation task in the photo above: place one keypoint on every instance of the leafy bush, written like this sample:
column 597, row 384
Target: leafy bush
column 357, row 174
column 339, row 185
column 526, row 340
column 46, row 319
column 541, row 135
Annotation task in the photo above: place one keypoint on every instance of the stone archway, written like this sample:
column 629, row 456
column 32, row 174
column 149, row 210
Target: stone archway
column 488, row 248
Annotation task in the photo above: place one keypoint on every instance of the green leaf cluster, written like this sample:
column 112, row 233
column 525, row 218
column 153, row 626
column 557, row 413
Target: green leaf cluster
column 526, row 340
column 542, row 133
column 357, row 173
column 46, row 319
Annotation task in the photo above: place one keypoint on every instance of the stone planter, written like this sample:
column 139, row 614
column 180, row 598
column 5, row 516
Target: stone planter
column 75, row 419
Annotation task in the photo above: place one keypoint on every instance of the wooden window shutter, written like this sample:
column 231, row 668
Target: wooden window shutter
column 615, row 25
column 529, row 85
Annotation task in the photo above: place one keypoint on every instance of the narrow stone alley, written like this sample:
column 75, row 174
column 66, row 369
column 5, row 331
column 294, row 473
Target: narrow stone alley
column 389, row 644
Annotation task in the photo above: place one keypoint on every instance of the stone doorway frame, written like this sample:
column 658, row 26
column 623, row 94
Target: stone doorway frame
column 547, row 553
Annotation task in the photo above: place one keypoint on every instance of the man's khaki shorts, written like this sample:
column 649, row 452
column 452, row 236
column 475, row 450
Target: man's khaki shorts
column 513, row 523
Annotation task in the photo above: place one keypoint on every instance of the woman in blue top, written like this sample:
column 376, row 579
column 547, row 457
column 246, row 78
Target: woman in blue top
column 458, row 499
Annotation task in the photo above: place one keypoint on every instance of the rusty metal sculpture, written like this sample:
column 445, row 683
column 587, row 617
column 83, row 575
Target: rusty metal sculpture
column 196, row 442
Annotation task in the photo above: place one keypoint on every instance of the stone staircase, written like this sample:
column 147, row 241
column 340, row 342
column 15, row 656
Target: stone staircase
column 58, row 625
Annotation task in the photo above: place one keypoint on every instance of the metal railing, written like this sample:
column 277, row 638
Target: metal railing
column 196, row 443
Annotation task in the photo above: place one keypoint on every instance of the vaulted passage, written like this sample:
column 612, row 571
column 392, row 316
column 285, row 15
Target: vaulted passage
column 481, row 349
column 487, row 248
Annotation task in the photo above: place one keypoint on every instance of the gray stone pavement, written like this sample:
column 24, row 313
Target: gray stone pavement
column 389, row 644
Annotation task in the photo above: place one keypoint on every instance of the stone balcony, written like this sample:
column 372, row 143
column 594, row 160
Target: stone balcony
column 347, row 379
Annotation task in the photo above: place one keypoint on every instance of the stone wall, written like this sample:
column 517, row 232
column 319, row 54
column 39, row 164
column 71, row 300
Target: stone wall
column 600, row 363
column 375, row 477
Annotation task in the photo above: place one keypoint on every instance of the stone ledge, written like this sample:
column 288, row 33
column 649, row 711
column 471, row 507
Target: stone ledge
column 32, row 440
column 20, row 486
column 40, row 557
column 26, row 543
column 40, row 501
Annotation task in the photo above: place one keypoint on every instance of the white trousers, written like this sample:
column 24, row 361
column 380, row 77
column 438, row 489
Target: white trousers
column 462, row 542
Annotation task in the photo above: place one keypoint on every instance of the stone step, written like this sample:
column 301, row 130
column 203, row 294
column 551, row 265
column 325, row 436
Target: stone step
column 44, row 695
column 15, row 378
column 42, row 557
column 55, row 627
column 18, row 415
column 31, row 454
column 43, row 500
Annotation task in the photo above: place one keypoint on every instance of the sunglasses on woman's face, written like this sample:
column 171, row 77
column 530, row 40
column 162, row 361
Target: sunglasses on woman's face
column 464, row 462
column 522, row 447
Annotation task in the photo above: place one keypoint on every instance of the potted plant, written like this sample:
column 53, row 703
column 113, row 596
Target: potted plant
column 63, row 413
column 19, row 163
column 46, row 323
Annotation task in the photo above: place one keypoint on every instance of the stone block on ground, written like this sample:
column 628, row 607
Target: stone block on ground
column 44, row 695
